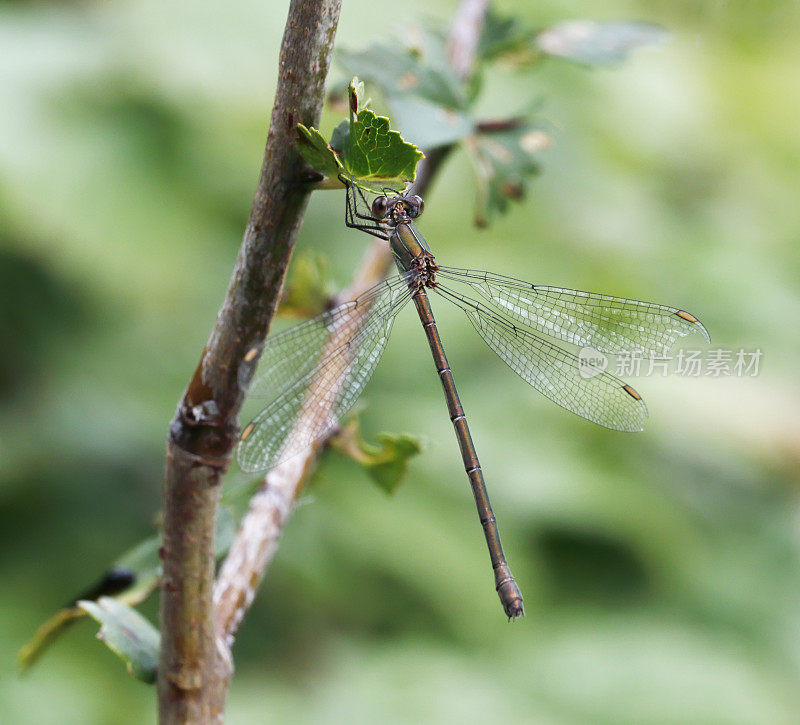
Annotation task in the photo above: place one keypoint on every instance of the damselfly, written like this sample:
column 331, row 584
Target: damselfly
column 317, row 369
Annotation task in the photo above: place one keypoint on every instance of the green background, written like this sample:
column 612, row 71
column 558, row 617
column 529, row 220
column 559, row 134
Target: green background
column 660, row 570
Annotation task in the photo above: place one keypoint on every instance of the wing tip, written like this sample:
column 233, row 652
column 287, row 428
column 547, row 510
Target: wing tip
column 636, row 425
column 241, row 460
column 696, row 324
column 245, row 459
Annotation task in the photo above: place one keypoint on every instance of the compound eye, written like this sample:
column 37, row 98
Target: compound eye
column 380, row 206
column 417, row 205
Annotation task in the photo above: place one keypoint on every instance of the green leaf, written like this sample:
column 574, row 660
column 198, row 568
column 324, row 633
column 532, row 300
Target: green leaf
column 45, row 635
column 376, row 154
column 373, row 153
column 429, row 124
column 116, row 580
column 504, row 36
column 427, row 102
column 504, row 161
column 315, row 150
column 131, row 580
column 388, row 463
column 356, row 94
column 225, row 531
column 340, row 135
column 385, row 463
column 144, row 561
column 597, row 43
column 399, row 71
column 128, row 634
column 310, row 287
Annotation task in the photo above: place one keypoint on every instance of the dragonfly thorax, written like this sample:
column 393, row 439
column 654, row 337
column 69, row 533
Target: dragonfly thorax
column 424, row 267
column 411, row 253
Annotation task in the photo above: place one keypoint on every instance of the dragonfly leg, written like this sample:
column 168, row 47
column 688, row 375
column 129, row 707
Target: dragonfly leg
column 355, row 219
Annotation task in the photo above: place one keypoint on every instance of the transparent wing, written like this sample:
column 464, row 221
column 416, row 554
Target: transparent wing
column 553, row 371
column 606, row 323
column 295, row 352
column 320, row 366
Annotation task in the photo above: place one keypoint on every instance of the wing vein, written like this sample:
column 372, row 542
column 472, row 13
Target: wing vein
column 552, row 370
column 608, row 324
column 319, row 390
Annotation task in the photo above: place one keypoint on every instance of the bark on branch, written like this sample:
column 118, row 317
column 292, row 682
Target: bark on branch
column 192, row 674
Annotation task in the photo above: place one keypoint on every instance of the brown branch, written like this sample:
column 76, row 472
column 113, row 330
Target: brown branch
column 259, row 533
column 192, row 675
column 500, row 125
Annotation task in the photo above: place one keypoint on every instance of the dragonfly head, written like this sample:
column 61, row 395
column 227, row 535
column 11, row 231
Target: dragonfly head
column 414, row 205
column 397, row 206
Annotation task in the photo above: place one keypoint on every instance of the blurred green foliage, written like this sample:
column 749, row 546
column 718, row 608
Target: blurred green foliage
column 660, row 570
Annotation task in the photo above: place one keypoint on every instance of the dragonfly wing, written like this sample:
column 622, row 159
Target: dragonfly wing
column 554, row 371
column 294, row 353
column 320, row 391
column 608, row 324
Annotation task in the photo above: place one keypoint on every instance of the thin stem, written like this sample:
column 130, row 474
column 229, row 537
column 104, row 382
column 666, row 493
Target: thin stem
column 465, row 34
column 193, row 676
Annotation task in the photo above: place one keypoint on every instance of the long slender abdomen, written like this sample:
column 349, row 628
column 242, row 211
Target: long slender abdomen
column 506, row 586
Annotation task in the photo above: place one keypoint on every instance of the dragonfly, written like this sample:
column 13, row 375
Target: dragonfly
column 317, row 369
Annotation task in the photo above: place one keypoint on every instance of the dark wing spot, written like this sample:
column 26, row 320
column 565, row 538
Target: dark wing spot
column 630, row 391
column 686, row 316
column 248, row 429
